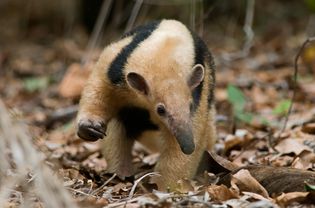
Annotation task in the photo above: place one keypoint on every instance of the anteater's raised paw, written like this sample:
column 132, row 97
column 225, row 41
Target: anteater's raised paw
column 91, row 130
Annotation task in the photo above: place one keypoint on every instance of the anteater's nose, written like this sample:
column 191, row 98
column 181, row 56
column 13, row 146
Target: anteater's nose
column 185, row 140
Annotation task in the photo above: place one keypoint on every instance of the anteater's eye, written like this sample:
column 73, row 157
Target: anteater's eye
column 160, row 109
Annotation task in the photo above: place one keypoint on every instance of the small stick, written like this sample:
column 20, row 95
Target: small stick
column 96, row 191
column 132, row 191
column 135, row 11
column 307, row 41
column 96, row 33
column 249, row 33
column 80, row 192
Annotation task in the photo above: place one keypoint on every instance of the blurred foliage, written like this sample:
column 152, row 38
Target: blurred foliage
column 310, row 5
column 282, row 107
column 36, row 83
column 238, row 101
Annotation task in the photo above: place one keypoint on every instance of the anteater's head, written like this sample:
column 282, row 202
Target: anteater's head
column 170, row 95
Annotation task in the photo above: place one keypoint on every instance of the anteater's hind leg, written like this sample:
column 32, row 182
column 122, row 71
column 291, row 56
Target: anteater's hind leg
column 116, row 148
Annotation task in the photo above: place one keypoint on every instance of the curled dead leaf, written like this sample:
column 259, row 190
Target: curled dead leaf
column 277, row 180
column 246, row 182
column 74, row 80
column 95, row 162
column 291, row 145
column 221, row 193
column 184, row 186
column 308, row 128
column 286, row 198
column 241, row 136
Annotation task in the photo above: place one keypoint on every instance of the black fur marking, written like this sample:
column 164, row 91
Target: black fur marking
column 203, row 56
column 116, row 69
column 136, row 120
column 142, row 28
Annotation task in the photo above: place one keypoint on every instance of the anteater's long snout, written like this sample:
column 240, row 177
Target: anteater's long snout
column 185, row 139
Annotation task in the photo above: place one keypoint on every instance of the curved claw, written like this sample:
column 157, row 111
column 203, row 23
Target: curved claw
column 91, row 130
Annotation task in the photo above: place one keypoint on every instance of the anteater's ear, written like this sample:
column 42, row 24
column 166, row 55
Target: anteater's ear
column 137, row 82
column 196, row 77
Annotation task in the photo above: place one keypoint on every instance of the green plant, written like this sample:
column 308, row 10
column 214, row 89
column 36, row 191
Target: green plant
column 36, row 83
column 237, row 98
column 282, row 107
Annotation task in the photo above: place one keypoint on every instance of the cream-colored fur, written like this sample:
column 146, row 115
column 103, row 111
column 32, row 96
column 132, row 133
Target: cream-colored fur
column 165, row 59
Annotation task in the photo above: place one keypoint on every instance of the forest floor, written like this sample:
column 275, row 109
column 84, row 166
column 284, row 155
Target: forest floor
column 253, row 96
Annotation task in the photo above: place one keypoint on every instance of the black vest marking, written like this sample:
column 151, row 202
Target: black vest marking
column 203, row 56
column 136, row 120
column 116, row 69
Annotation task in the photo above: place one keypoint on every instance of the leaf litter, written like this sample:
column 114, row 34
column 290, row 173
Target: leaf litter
column 251, row 105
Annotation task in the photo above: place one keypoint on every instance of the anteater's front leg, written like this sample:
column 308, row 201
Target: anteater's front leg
column 116, row 149
column 94, row 112
column 174, row 165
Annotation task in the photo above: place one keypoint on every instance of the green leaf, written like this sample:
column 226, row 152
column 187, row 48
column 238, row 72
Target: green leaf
column 309, row 187
column 237, row 98
column 310, row 5
column 264, row 121
column 35, row 83
column 244, row 116
column 282, row 107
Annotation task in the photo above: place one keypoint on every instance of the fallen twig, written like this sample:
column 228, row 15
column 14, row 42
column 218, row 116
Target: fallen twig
column 96, row 191
column 81, row 192
column 132, row 191
column 307, row 41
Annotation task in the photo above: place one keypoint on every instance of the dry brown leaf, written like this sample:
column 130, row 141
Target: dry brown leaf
column 277, row 180
column 263, row 97
column 121, row 187
column 308, row 128
column 96, row 163
column 221, row 193
column 74, row 80
column 308, row 157
column 224, row 163
column 231, row 141
column 291, row 145
column 287, row 198
column 184, row 186
column 242, row 158
column 56, row 139
column 282, row 161
column 246, row 182
column 300, row 164
column 102, row 202
column 309, row 88
column 69, row 173
column 241, row 136
column 254, row 195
